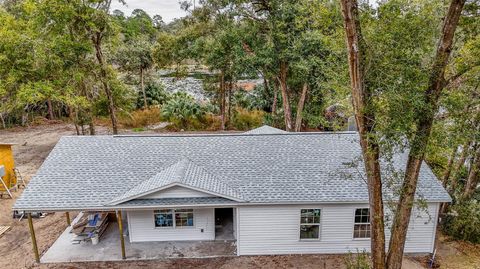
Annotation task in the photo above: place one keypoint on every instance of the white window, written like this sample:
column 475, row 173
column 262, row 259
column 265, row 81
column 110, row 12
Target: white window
column 361, row 228
column 166, row 217
column 183, row 217
column 163, row 218
column 310, row 223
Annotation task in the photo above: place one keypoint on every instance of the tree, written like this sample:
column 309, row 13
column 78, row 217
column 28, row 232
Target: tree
column 136, row 56
column 366, row 113
column 418, row 144
column 365, row 119
column 41, row 72
column 158, row 22
column 285, row 42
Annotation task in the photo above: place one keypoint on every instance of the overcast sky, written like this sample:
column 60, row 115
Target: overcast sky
column 168, row 9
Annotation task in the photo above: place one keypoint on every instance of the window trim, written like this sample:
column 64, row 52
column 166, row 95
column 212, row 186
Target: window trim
column 163, row 227
column 355, row 223
column 175, row 219
column 174, row 225
column 319, row 224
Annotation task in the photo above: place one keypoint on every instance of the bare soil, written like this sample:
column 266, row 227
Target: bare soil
column 34, row 145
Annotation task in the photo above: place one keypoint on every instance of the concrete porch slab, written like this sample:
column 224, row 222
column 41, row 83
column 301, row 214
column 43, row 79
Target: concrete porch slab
column 108, row 249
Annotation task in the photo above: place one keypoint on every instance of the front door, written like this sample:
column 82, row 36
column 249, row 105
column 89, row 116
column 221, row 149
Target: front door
column 224, row 224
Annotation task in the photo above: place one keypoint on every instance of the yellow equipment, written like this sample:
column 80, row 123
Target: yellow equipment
column 6, row 159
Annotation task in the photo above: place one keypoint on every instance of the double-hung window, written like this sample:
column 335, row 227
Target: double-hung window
column 361, row 228
column 310, row 223
column 183, row 217
column 173, row 218
column 163, row 218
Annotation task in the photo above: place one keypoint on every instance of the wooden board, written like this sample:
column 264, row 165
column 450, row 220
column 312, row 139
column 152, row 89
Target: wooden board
column 3, row 229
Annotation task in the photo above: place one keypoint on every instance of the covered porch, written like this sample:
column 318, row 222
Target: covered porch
column 109, row 248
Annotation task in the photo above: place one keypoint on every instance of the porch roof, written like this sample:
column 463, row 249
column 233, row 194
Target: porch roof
column 177, row 202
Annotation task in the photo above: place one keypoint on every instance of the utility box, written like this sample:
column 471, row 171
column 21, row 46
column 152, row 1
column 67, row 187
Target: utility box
column 6, row 160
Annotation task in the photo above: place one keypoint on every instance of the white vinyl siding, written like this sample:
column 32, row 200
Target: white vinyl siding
column 272, row 229
column 142, row 227
column 176, row 192
column 421, row 229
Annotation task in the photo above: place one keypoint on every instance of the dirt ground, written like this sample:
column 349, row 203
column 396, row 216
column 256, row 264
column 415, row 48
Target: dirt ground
column 35, row 143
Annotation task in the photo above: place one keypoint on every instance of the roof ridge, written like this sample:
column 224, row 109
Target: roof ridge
column 227, row 134
column 180, row 174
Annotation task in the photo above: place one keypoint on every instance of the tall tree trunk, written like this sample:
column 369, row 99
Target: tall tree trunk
column 24, row 118
column 448, row 169
column 50, row 109
column 287, row 111
column 301, row 104
column 473, row 177
column 91, row 126
column 3, row 120
column 275, row 98
column 74, row 116
column 142, row 85
column 97, row 41
column 458, row 167
column 365, row 119
column 222, row 99
column 230, row 86
column 425, row 117
column 446, row 175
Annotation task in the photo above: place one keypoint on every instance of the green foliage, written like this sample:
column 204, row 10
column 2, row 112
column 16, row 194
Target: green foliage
column 247, row 119
column 138, row 24
column 138, row 129
column 258, row 98
column 123, row 97
column 359, row 260
column 134, row 55
column 182, row 108
column 463, row 221
column 47, row 55
column 141, row 118
column 156, row 95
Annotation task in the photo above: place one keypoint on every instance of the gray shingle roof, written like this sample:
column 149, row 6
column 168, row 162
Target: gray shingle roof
column 184, row 173
column 92, row 171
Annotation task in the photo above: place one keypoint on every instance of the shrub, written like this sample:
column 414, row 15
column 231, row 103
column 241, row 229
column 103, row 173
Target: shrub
column 247, row 119
column 155, row 93
column 212, row 122
column 123, row 98
column 140, row 118
column 359, row 260
column 463, row 221
column 182, row 109
column 258, row 98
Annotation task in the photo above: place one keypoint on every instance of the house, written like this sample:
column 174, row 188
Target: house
column 271, row 191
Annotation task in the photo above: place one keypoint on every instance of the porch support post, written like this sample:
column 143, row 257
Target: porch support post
column 120, row 229
column 67, row 215
column 34, row 240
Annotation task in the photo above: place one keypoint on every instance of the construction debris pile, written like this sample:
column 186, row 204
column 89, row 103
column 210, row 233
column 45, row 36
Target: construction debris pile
column 90, row 226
